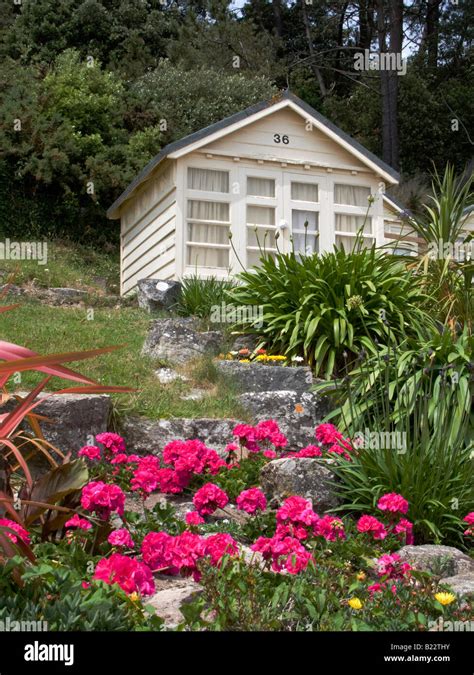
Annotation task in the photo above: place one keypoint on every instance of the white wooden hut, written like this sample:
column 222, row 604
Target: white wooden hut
column 279, row 166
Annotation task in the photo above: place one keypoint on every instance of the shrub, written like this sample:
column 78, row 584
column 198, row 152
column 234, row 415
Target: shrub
column 199, row 296
column 323, row 307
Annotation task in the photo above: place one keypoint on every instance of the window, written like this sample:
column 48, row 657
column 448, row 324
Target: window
column 351, row 195
column 260, row 232
column 208, row 180
column 208, row 227
column 304, row 192
column 260, row 187
column 305, row 226
column 349, row 226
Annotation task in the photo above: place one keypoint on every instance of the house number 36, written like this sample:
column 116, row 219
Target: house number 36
column 281, row 139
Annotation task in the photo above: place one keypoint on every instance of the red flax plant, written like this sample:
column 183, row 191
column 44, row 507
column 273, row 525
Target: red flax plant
column 48, row 499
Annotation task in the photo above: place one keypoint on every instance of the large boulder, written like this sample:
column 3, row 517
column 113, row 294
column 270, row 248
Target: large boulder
column 443, row 561
column 256, row 377
column 154, row 294
column 297, row 413
column 178, row 341
column 172, row 593
column 144, row 436
column 303, row 476
column 461, row 584
column 63, row 296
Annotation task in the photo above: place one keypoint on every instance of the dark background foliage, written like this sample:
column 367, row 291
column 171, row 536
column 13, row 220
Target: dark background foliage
column 99, row 86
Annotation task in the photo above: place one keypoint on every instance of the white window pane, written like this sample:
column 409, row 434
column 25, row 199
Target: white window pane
column 348, row 243
column 260, row 215
column 253, row 258
column 208, row 180
column 308, row 244
column 199, row 256
column 345, row 223
column 352, row 195
column 262, row 237
column 207, row 233
column 299, row 218
column 260, row 187
column 201, row 210
column 304, row 192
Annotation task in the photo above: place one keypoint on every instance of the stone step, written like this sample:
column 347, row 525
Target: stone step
column 257, row 377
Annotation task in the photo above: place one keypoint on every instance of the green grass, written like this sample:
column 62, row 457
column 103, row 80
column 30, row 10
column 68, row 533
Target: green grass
column 68, row 265
column 46, row 329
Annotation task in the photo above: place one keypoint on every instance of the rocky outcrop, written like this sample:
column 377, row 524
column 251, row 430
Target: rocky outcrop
column 178, row 341
column 154, row 294
column 297, row 413
column 144, row 436
column 303, row 476
column 443, row 561
column 172, row 593
column 256, row 377
column 461, row 584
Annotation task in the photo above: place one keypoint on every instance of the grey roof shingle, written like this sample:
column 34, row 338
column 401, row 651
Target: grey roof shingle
column 222, row 124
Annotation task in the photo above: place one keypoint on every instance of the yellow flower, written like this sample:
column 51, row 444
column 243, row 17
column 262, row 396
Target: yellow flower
column 134, row 597
column 355, row 603
column 244, row 360
column 445, row 598
column 361, row 576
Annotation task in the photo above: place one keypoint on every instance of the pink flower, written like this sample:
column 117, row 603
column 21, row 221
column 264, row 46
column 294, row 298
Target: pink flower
column 405, row 529
column 370, row 524
column 21, row 532
column 113, row 442
column 77, row 523
column 375, row 588
column 157, row 552
column 393, row 502
column 392, row 567
column 219, row 545
column 208, row 498
column 131, row 575
column 330, row 528
column 270, row 454
column 469, row 519
column 187, row 549
column 327, row 434
column 119, row 458
column 103, row 498
column 92, row 452
column 144, row 481
column 121, row 538
column 286, row 554
column 309, row 451
column 297, row 510
column 192, row 457
column 251, row 500
column 133, row 459
column 193, row 518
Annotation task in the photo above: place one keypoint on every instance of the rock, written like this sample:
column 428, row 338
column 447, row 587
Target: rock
column 297, row 413
column 245, row 342
column 65, row 296
column 171, row 595
column 443, row 561
column 179, row 341
column 194, row 395
column 462, row 585
column 168, row 375
column 154, row 294
column 255, row 377
column 144, row 436
column 11, row 289
column 302, row 476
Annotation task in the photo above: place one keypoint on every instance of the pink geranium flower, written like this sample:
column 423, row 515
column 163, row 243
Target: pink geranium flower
column 330, row 527
column 286, row 554
column 76, row 522
column 251, row 500
column 193, row 518
column 131, row 575
column 21, row 532
column 103, row 499
column 113, row 442
column 370, row 525
column 121, row 538
column 309, row 451
column 92, row 452
column 208, row 498
column 469, row 519
column 404, row 530
column 327, row 434
column 218, row 545
column 393, row 502
column 392, row 566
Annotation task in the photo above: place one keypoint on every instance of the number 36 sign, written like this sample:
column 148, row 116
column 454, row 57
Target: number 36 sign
column 277, row 138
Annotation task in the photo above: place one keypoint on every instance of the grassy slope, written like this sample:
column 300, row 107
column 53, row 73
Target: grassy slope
column 46, row 329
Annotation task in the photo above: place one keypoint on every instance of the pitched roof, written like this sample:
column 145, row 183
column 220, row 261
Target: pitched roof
column 239, row 117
